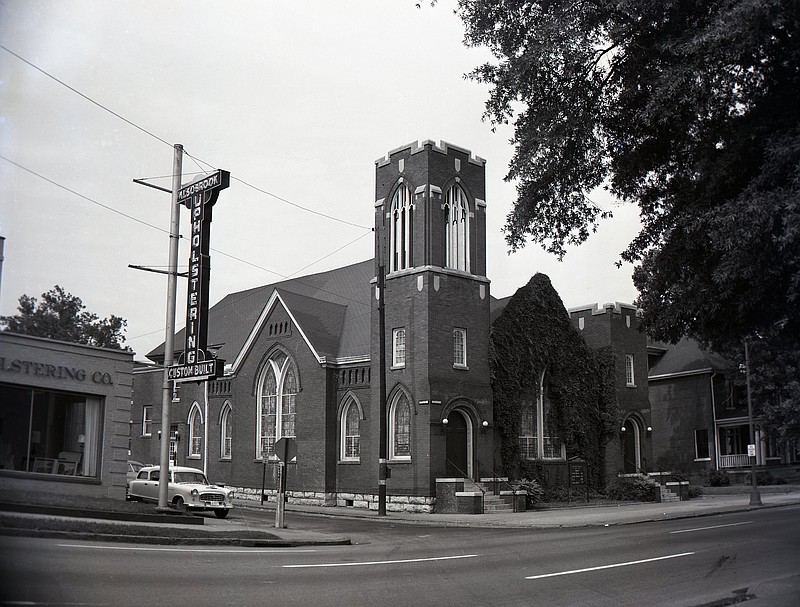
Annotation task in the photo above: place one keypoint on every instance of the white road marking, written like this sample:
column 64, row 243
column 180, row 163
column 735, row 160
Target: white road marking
column 658, row 558
column 713, row 527
column 426, row 560
column 214, row 550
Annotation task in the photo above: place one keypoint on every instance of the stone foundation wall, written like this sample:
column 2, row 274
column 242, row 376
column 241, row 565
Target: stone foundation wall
column 394, row 503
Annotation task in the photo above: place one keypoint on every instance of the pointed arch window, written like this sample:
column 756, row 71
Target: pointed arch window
column 350, row 431
column 277, row 403
column 225, row 430
column 195, row 431
column 537, row 436
column 402, row 221
column 456, row 229
column 400, row 428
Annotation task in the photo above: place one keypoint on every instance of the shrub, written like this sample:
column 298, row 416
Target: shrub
column 631, row 489
column 764, row 478
column 717, row 478
column 532, row 488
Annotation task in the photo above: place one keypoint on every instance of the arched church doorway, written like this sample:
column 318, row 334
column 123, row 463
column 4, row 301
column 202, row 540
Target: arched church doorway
column 458, row 448
column 631, row 446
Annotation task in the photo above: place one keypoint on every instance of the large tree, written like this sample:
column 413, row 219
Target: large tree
column 689, row 109
column 61, row 315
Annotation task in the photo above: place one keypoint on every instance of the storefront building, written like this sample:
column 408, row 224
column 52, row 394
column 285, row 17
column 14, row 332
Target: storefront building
column 64, row 416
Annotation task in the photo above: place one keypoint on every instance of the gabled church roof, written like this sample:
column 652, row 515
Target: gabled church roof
column 332, row 310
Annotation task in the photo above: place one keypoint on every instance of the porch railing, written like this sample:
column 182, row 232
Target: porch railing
column 739, row 460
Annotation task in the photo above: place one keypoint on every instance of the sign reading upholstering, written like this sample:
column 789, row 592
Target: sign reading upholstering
column 199, row 196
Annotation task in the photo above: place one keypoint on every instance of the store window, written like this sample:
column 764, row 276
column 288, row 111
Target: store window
column 50, row 432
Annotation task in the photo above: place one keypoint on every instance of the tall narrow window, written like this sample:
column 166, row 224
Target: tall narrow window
column 351, row 431
column 459, row 347
column 701, row 444
column 399, row 348
column 402, row 221
column 456, row 229
column 400, row 428
column 225, row 431
column 277, row 404
column 527, row 434
column 147, row 420
column 629, row 377
column 195, row 431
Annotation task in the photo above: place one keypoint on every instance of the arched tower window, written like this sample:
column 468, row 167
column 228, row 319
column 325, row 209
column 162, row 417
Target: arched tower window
column 350, row 431
column 400, row 427
column 456, row 229
column 277, row 404
column 402, row 216
column 195, row 424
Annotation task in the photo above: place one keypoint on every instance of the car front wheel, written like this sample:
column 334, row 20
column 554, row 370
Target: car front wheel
column 179, row 504
column 220, row 513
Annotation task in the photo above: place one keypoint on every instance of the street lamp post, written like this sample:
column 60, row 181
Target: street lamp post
column 755, row 496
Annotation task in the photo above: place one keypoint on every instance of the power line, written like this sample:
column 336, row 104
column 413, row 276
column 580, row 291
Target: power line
column 79, row 195
column 89, row 99
column 194, row 158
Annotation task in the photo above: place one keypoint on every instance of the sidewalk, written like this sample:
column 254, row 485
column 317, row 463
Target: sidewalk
column 240, row 532
column 573, row 516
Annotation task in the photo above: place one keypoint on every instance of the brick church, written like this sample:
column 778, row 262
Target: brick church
column 303, row 359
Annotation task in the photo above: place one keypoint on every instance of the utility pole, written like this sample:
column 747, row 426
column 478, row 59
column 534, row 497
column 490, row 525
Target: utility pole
column 383, row 462
column 169, row 338
column 755, row 496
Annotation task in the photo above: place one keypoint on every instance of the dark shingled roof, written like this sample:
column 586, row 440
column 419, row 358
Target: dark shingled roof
column 332, row 309
column 686, row 356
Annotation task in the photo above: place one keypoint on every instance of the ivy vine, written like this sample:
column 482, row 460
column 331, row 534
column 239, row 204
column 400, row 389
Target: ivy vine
column 534, row 334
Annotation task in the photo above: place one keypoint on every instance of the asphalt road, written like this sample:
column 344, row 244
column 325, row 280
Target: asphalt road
column 704, row 561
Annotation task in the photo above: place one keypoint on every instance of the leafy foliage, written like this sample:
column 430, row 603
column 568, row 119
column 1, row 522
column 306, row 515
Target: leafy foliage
column 61, row 315
column 631, row 489
column 686, row 108
column 534, row 335
column 717, row 478
column 532, row 488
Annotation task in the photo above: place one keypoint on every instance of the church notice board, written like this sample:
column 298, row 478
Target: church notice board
column 576, row 478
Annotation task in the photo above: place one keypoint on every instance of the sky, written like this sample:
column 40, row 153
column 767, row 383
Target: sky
column 296, row 99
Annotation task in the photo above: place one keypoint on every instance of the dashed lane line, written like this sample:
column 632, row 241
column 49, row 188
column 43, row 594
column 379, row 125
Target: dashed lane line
column 395, row 562
column 601, row 567
column 712, row 527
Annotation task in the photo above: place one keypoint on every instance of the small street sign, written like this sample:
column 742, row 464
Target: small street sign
column 286, row 449
column 751, row 450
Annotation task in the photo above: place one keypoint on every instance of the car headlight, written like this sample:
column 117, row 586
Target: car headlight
column 195, row 493
column 230, row 495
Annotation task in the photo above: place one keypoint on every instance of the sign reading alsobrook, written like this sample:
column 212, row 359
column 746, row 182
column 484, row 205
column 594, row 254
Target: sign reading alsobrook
column 196, row 364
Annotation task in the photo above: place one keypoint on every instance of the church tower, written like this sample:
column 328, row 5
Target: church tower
column 430, row 225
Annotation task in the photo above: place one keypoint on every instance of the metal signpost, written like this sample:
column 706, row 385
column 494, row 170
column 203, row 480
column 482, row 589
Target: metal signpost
column 285, row 451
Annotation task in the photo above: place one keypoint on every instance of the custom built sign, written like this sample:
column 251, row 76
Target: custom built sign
column 199, row 197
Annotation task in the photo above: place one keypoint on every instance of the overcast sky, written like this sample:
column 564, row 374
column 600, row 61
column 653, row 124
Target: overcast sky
column 295, row 98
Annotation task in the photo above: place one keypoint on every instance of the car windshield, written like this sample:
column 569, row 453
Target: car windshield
column 191, row 477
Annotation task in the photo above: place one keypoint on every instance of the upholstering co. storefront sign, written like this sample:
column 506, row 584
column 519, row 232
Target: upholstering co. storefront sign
column 196, row 363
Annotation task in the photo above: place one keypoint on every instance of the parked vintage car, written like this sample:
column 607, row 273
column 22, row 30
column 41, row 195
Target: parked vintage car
column 188, row 489
column 133, row 470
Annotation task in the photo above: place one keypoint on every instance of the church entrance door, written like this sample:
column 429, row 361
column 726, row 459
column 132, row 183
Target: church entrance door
column 457, row 446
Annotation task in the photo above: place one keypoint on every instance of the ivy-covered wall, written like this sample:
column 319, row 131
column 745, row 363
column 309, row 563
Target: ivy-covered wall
column 534, row 334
